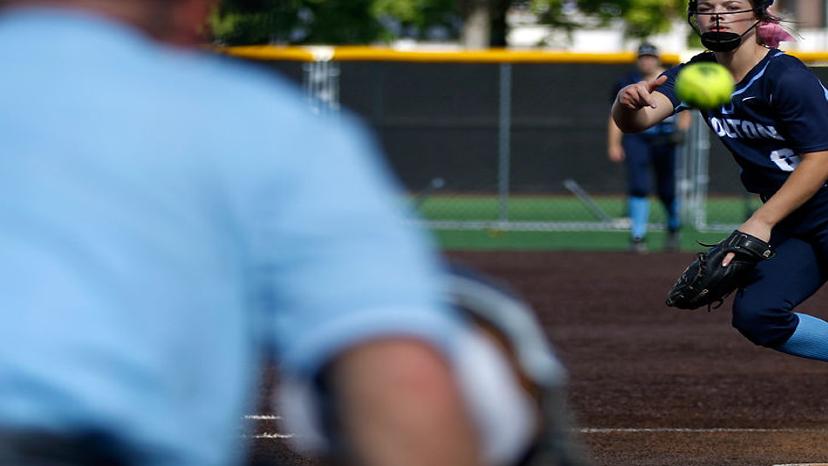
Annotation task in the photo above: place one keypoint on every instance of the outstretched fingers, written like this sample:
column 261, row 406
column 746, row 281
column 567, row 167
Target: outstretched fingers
column 654, row 84
column 650, row 86
column 640, row 95
column 645, row 96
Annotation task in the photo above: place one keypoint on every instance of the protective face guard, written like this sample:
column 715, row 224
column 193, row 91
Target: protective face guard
column 719, row 41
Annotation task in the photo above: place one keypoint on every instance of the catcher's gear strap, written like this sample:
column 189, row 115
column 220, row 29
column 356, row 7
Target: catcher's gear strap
column 493, row 307
column 504, row 316
column 505, row 417
column 513, row 384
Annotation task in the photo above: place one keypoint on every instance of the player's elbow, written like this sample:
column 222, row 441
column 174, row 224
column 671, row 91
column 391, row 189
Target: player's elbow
column 629, row 125
column 629, row 122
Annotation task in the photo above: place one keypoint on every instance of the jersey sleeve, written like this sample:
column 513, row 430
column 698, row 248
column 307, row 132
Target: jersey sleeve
column 668, row 88
column 801, row 104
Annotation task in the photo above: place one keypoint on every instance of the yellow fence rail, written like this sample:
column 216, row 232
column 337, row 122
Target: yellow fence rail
column 360, row 53
column 354, row 53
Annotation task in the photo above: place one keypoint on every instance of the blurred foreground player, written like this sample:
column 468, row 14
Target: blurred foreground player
column 165, row 218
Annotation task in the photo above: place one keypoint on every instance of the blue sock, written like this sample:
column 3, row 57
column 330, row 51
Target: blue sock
column 673, row 220
column 639, row 215
column 809, row 340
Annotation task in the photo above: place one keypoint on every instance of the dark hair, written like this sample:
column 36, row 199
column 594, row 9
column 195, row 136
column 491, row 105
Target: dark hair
column 762, row 14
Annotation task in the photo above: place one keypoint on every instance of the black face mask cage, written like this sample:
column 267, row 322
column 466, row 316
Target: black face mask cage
column 720, row 41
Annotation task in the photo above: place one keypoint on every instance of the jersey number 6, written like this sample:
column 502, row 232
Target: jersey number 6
column 785, row 159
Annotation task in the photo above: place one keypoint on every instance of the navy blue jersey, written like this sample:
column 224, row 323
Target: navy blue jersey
column 777, row 112
column 666, row 127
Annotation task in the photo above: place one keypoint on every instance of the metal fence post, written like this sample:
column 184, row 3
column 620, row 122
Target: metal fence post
column 699, row 171
column 321, row 81
column 684, row 185
column 504, row 141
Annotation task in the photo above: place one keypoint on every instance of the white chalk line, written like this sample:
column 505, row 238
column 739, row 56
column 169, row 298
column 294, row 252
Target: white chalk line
column 610, row 430
column 597, row 430
column 589, row 430
column 601, row 430
column 267, row 435
column 273, row 436
column 802, row 464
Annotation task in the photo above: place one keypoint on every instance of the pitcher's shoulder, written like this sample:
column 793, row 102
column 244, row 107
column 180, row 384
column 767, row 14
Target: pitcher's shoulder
column 704, row 57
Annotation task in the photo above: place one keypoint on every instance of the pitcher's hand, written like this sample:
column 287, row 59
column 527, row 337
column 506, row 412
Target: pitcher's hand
column 639, row 95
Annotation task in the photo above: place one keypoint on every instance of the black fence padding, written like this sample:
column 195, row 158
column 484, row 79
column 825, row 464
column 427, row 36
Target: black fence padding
column 441, row 120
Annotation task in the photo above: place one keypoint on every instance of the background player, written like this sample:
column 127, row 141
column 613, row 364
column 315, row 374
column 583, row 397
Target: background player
column 656, row 148
column 774, row 126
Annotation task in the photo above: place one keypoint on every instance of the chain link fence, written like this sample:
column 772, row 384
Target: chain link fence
column 494, row 142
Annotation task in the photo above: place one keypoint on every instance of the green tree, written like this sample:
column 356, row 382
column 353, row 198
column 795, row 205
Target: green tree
column 642, row 18
column 478, row 23
column 417, row 18
column 331, row 21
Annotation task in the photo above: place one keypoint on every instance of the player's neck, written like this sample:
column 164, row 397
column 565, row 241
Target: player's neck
column 742, row 60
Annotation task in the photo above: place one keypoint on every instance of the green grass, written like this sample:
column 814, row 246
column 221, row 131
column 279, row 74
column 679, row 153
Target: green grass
column 489, row 240
column 721, row 210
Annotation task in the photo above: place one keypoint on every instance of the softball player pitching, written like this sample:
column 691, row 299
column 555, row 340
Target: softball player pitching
column 775, row 127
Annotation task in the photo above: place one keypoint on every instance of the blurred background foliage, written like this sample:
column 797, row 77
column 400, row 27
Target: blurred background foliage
column 339, row 22
column 333, row 21
column 642, row 18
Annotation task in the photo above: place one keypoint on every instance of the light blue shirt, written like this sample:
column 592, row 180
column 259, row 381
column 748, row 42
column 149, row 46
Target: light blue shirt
column 164, row 216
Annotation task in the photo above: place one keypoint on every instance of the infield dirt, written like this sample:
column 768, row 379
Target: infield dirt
column 651, row 385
